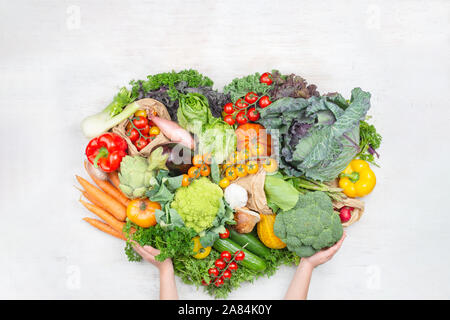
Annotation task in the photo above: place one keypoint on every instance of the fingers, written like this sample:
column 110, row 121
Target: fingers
column 151, row 250
column 338, row 245
column 144, row 253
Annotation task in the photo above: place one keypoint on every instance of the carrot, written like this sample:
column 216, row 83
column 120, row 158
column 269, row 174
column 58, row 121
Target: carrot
column 116, row 208
column 104, row 227
column 114, row 178
column 108, row 188
column 104, row 215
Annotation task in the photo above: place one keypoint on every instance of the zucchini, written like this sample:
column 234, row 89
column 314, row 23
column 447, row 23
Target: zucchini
column 253, row 243
column 251, row 261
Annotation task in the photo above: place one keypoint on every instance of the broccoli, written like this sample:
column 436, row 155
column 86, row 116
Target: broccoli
column 310, row 226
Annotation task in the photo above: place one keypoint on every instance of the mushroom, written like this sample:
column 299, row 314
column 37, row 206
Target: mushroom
column 246, row 219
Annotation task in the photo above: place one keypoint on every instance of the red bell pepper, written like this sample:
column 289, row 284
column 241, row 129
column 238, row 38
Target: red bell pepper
column 106, row 151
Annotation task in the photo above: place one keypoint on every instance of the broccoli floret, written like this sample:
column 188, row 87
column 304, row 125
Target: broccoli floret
column 310, row 226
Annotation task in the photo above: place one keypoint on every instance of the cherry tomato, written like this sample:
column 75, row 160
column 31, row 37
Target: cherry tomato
column 140, row 122
column 225, row 256
column 226, row 274
column 240, row 170
column 241, row 118
column 251, row 167
column 204, row 283
column 205, row 170
column 230, row 173
column 207, row 158
column 253, row 114
column 185, row 181
column 218, row 282
column 251, row 97
column 141, row 143
column 241, row 104
column 197, row 160
column 141, row 113
column 239, row 255
column 232, row 266
column 266, row 78
column 213, row 272
column 132, row 134
column 224, row 235
column 264, row 101
column 345, row 213
column 228, row 108
column 194, row 172
column 220, row 264
column 154, row 131
column 229, row 119
column 224, row 183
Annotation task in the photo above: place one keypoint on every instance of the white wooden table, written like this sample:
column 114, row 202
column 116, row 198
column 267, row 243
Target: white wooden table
column 61, row 61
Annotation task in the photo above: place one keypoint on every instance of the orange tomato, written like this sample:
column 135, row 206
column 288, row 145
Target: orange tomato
column 154, row 131
column 224, row 183
column 205, row 170
column 185, row 181
column 230, row 173
column 197, row 160
column 142, row 212
column 194, row 172
column 252, row 167
column 207, row 158
column 240, row 170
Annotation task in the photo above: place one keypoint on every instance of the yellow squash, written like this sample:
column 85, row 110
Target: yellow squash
column 199, row 251
column 266, row 234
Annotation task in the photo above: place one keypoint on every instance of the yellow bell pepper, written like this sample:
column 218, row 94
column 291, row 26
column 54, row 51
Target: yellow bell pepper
column 199, row 251
column 357, row 180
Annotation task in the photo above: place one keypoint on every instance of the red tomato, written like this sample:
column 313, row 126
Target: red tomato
column 205, row 283
column 266, row 78
column 213, row 272
column 224, row 235
column 141, row 143
column 228, row 108
column 145, row 130
column 232, row 266
column 241, row 118
column 264, row 102
column 253, row 114
column 225, row 256
column 226, row 274
column 229, row 119
column 239, row 255
column 241, row 104
column 220, row 264
column 140, row 122
column 132, row 134
column 219, row 282
column 345, row 213
column 251, row 97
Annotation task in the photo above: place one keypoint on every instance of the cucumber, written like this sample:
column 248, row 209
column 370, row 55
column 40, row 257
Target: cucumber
column 251, row 261
column 253, row 243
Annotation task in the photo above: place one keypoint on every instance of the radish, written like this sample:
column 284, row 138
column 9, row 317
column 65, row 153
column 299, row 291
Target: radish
column 173, row 131
column 345, row 213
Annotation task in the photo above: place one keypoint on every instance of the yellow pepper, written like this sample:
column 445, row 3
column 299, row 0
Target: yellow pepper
column 199, row 251
column 357, row 180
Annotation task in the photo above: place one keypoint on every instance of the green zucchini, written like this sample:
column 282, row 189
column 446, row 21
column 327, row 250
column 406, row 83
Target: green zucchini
column 253, row 243
column 251, row 261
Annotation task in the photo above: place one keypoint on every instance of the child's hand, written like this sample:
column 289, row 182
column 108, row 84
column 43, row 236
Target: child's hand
column 323, row 255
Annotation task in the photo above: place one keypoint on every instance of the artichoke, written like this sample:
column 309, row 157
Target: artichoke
column 136, row 173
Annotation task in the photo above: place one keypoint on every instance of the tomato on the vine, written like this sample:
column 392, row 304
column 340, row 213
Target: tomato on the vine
column 241, row 104
column 229, row 119
column 140, row 122
column 230, row 173
column 194, row 172
column 264, row 102
column 239, row 255
column 220, row 264
column 251, row 167
column 141, row 143
column 251, row 97
column 224, row 235
column 226, row 274
column 185, row 180
column 204, row 283
column 223, row 184
column 232, row 266
column 205, row 170
column 213, row 272
column 241, row 118
column 240, row 170
column 266, row 78
column 197, row 160
column 253, row 114
column 228, row 108
column 132, row 134
column 219, row 282
column 225, row 256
